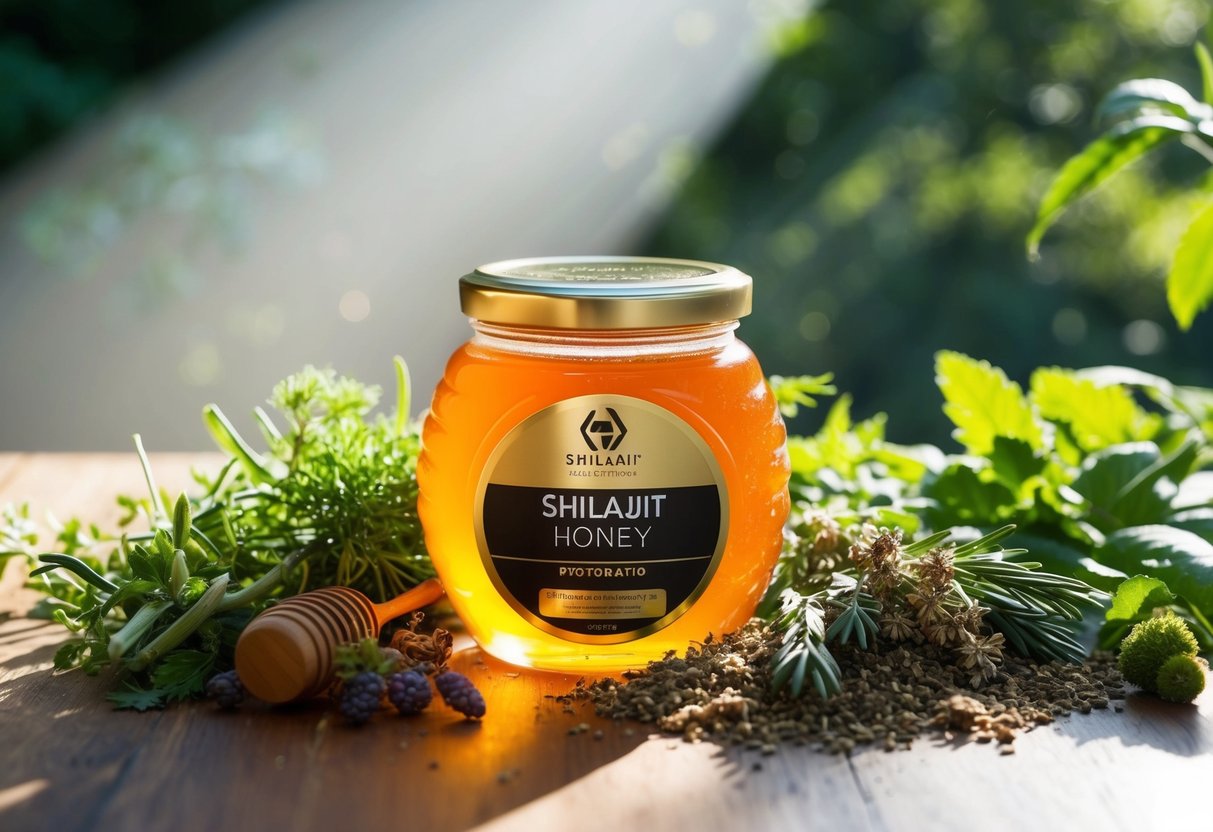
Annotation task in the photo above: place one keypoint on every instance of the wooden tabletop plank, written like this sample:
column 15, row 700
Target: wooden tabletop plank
column 67, row 761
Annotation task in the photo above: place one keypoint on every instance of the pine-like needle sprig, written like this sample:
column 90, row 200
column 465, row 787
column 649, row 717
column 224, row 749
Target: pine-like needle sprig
column 969, row 597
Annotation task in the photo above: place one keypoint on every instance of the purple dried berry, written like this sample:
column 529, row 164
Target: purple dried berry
column 409, row 691
column 459, row 693
column 361, row 696
column 226, row 689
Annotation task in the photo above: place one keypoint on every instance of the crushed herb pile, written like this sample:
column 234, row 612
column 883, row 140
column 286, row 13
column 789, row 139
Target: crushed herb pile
column 891, row 695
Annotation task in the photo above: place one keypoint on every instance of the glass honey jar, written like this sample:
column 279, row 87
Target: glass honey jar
column 603, row 475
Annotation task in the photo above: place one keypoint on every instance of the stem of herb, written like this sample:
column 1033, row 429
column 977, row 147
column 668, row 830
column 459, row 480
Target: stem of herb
column 157, row 505
column 184, row 626
column 258, row 588
column 134, row 629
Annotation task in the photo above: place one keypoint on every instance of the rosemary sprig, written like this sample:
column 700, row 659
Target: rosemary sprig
column 803, row 656
column 969, row 597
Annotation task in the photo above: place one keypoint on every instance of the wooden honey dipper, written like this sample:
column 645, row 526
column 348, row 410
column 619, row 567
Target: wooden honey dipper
column 286, row 652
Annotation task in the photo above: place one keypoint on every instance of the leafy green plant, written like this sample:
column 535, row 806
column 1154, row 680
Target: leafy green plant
column 1095, row 479
column 1146, row 114
column 331, row 501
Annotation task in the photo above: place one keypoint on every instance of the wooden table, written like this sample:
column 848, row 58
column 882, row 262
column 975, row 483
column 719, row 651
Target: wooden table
column 69, row 762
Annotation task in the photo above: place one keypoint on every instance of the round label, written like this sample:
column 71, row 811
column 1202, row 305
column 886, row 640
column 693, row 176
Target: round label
column 602, row 518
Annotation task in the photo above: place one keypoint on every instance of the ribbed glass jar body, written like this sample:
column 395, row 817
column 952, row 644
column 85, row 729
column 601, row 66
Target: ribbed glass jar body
column 592, row 499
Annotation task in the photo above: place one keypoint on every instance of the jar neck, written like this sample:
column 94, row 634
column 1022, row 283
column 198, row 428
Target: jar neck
column 597, row 343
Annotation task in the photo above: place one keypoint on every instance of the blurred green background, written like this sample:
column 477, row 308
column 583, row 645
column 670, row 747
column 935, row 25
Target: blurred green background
column 880, row 182
column 876, row 178
column 62, row 60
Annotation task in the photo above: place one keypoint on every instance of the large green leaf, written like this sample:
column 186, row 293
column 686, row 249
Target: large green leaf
column 1146, row 93
column 1098, row 415
column 983, row 403
column 960, row 497
column 1180, row 558
column 1016, row 465
column 1091, row 167
column 1196, row 491
column 1065, row 558
column 1190, row 282
column 1136, row 596
column 1195, row 402
column 1199, row 521
column 1125, row 486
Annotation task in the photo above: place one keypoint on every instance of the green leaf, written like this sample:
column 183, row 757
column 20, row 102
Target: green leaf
column 80, row 568
column 1098, row 415
column 1094, row 164
column 1199, row 521
column 143, row 565
column 1206, row 71
column 404, row 389
column 1190, row 282
column 961, row 498
column 835, row 446
column 1180, row 558
column 983, row 403
column 1136, row 596
column 792, row 392
column 1196, row 491
column 183, row 673
column 258, row 469
column 1124, row 486
column 1015, row 465
column 1143, row 93
column 1064, row 558
column 133, row 698
column 69, row 653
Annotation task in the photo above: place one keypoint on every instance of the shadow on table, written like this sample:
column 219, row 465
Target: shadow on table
column 297, row 766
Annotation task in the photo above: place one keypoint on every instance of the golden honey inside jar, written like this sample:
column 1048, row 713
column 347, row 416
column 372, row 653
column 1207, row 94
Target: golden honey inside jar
column 603, row 474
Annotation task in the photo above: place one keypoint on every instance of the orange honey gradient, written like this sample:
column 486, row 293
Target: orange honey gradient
column 702, row 374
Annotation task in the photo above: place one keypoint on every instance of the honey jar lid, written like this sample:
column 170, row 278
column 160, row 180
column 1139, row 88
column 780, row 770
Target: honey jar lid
column 604, row 292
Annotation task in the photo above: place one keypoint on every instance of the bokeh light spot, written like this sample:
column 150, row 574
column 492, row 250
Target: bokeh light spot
column 695, row 27
column 1143, row 337
column 1069, row 326
column 1054, row 103
column 354, row 306
column 201, row 365
column 625, row 146
column 814, row 326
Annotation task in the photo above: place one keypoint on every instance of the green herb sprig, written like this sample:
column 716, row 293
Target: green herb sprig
column 333, row 500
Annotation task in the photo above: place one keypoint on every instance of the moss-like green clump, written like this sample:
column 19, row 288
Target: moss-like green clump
column 1148, row 646
column 1181, row 678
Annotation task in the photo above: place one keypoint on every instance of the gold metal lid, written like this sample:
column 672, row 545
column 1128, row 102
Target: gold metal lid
column 604, row 292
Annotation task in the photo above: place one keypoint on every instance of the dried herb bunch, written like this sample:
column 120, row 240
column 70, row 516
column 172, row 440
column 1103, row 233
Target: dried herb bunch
column 863, row 585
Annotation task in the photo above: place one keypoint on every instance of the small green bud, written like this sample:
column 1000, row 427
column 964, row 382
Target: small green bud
column 179, row 573
column 181, row 522
column 193, row 589
column 1181, row 678
column 1148, row 646
column 163, row 544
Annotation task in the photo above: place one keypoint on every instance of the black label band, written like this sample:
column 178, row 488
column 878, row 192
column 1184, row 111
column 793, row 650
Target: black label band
column 601, row 518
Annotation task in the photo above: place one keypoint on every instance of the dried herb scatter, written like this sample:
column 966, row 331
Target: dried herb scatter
column 891, row 694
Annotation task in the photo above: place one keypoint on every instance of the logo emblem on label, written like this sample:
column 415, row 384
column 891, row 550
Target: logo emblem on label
column 610, row 431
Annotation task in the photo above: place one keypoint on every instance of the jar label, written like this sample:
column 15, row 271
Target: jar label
column 602, row 518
